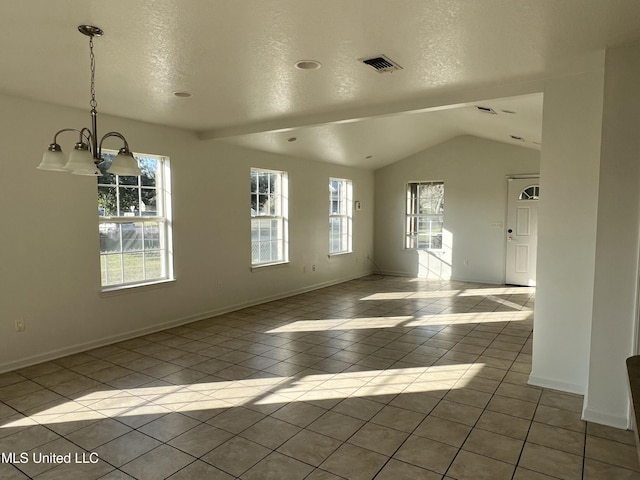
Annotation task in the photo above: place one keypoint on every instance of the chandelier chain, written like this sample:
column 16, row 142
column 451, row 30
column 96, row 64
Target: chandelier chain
column 92, row 58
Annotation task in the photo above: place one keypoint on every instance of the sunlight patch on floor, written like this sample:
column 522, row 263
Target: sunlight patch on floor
column 342, row 324
column 405, row 321
column 416, row 295
column 161, row 400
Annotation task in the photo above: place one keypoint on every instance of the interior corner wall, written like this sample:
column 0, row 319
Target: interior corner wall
column 474, row 172
column 567, row 212
column 49, row 262
column 616, row 262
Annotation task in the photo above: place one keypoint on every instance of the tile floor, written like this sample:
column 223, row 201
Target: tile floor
column 385, row 378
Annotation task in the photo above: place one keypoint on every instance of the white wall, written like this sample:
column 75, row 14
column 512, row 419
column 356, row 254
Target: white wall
column 567, row 210
column 616, row 262
column 49, row 266
column 474, row 172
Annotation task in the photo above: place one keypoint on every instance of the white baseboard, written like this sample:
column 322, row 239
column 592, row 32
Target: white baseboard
column 556, row 385
column 393, row 273
column 476, row 280
column 588, row 414
column 83, row 347
column 616, row 421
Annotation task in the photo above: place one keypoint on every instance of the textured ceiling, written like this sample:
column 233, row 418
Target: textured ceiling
column 237, row 59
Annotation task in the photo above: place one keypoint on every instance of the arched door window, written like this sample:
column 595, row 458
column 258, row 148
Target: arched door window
column 532, row 192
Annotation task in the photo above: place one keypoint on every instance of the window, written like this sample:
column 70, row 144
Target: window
column 134, row 220
column 530, row 193
column 269, row 212
column 425, row 215
column 340, row 215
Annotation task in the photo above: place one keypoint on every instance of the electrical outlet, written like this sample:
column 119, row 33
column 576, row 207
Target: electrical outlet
column 313, row 268
column 20, row 326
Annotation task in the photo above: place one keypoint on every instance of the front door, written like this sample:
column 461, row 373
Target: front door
column 522, row 231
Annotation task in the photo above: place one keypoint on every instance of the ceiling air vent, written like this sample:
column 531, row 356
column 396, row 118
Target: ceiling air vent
column 486, row 110
column 381, row 64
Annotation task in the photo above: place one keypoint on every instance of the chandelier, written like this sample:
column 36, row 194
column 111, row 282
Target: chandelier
column 87, row 152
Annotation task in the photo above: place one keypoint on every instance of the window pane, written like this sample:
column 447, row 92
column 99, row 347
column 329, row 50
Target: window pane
column 111, row 269
column 152, row 236
column 107, row 179
column 263, row 204
column 129, row 201
column 274, row 205
column 149, row 167
column 334, row 197
column 411, row 241
column 133, row 267
column 109, row 238
column 148, row 205
column 335, row 226
column 127, row 180
column 131, row 236
column 264, row 183
column 153, row 264
column 107, row 201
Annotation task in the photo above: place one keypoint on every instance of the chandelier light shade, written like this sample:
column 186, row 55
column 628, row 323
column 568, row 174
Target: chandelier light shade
column 86, row 155
column 53, row 159
column 124, row 164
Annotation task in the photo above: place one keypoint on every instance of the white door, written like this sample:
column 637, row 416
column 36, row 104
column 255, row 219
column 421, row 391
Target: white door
column 522, row 231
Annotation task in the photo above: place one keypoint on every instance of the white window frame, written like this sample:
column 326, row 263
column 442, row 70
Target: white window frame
column 112, row 225
column 424, row 219
column 340, row 216
column 271, row 248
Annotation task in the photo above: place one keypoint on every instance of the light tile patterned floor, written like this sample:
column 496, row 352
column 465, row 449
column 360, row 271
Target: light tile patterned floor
column 385, row 378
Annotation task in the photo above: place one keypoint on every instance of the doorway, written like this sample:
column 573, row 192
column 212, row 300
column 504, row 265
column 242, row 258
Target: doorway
column 522, row 231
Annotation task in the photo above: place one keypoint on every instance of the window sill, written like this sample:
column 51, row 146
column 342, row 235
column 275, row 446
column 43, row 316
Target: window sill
column 435, row 251
column 137, row 287
column 267, row 266
column 338, row 254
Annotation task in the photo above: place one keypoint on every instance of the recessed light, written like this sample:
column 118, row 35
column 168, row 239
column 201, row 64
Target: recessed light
column 516, row 137
column 182, row 94
column 369, row 156
column 308, row 65
column 292, row 139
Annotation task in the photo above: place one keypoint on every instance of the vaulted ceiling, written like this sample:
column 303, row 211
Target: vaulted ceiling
column 237, row 59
